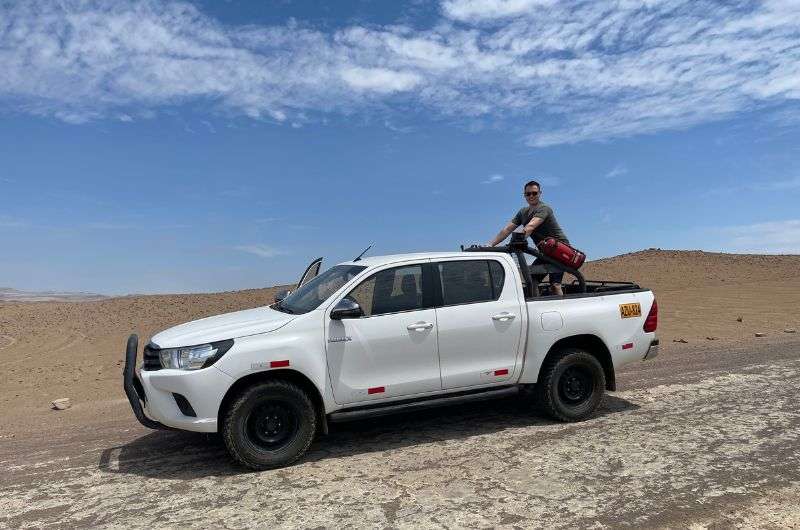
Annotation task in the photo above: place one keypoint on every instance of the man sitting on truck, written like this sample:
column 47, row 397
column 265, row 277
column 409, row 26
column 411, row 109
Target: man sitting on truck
column 538, row 222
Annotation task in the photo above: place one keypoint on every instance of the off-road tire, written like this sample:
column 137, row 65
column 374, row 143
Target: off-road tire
column 552, row 390
column 248, row 409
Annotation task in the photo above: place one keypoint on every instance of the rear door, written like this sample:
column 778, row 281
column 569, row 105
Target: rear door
column 391, row 351
column 479, row 319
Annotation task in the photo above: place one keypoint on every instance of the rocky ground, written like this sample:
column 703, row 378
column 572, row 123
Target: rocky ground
column 706, row 440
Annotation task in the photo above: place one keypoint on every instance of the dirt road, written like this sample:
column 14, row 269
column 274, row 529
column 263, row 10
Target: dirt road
column 704, row 438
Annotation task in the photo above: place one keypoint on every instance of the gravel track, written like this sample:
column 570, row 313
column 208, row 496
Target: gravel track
column 707, row 438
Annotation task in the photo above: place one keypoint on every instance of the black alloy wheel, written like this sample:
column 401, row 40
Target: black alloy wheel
column 575, row 385
column 571, row 385
column 270, row 424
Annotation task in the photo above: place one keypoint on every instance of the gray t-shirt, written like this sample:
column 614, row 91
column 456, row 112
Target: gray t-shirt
column 550, row 226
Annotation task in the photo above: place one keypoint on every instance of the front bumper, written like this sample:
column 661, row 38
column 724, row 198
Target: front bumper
column 652, row 351
column 152, row 394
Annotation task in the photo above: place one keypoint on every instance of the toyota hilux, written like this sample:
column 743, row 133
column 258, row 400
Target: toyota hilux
column 389, row 334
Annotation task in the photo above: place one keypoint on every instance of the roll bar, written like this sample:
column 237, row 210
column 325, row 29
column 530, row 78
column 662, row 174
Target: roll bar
column 518, row 246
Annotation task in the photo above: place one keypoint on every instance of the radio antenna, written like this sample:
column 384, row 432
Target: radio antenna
column 365, row 251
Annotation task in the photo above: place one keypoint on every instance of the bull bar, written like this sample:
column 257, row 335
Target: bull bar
column 134, row 388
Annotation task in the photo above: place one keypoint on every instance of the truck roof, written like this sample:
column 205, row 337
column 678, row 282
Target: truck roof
column 373, row 261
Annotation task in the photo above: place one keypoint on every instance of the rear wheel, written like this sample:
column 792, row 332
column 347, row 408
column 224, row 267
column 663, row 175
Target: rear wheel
column 571, row 385
column 269, row 425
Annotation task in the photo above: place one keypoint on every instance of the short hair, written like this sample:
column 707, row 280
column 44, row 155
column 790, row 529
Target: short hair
column 532, row 183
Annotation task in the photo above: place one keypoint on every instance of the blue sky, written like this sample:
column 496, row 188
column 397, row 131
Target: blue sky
column 183, row 147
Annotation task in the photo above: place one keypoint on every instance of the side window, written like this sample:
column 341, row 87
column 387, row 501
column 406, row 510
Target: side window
column 465, row 282
column 390, row 291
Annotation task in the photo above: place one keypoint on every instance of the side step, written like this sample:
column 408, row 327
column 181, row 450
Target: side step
column 371, row 411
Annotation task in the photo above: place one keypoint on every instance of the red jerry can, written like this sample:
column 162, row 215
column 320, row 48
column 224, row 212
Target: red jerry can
column 562, row 253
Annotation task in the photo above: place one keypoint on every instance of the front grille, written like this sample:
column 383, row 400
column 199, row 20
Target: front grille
column 152, row 359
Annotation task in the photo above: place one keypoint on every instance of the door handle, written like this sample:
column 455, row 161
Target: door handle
column 504, row 317
column 419, row 326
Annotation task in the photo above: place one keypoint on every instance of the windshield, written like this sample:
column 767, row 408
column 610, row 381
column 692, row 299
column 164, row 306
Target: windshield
column 311, row 295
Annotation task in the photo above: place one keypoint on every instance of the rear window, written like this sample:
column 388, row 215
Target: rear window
column 498, row 278
column 467, row 282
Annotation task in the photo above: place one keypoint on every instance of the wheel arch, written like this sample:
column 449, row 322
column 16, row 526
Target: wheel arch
column 289, row 375
column 593, row 345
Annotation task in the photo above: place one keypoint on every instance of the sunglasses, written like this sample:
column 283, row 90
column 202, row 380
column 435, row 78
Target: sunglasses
column 531, row 193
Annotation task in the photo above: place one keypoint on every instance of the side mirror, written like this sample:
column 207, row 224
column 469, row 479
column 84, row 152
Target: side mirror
column 281, row 295
column 346, row 308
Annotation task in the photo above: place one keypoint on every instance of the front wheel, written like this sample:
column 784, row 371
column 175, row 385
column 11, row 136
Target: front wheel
column 571, row 385
column 269, row 425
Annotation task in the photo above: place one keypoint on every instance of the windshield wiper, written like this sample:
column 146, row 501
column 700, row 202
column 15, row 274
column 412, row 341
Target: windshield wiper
column 280, row 307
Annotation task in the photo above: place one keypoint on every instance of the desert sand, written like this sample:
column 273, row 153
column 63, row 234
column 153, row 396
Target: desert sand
column 51, row 350
column 704, row 436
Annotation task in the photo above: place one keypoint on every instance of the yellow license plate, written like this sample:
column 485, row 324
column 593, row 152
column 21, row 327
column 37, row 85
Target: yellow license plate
column 630, row 310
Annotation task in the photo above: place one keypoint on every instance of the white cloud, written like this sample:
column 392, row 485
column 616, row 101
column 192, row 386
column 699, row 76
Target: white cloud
column 777, row 237
column 379, row 79
column 262, row 251
column 617, row 171
column 493, row 179
column 777, row 185
column 757, row 186
column 572, row 70
column 404, row 129
column 476, row 10
column 11, row 222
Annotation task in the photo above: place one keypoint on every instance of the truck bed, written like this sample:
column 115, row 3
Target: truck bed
column 593, row 288
column 595, row 313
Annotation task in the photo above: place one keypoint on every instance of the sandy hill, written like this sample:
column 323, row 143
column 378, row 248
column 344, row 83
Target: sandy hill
column 55, row 349
column 668, row 270
column 702, row 294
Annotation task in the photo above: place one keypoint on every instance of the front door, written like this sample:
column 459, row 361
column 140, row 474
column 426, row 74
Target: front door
column 392, row 350
column 310, row 273
column 479, row 322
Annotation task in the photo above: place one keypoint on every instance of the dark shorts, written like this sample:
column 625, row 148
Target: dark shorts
column 554, row 277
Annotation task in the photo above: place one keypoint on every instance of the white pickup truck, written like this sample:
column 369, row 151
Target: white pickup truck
column 389, row 334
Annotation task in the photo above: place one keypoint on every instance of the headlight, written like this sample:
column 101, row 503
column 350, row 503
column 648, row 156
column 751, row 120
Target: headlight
column 194, row 357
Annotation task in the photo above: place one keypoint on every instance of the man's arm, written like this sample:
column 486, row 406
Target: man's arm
column 533, row 225
column 504, row 233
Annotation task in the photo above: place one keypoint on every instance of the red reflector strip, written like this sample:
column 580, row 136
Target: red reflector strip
column 627, row 346
column 278, row 364
column 376, row 390
column 504, row 371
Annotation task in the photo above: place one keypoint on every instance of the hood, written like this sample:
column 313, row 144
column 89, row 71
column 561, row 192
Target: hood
column 222, row 327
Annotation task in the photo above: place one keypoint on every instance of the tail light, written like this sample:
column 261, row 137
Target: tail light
column 651, row 322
